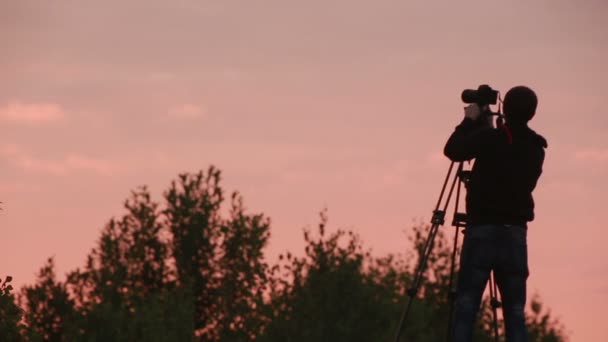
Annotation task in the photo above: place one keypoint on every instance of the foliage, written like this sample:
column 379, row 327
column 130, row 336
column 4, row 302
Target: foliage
column 192, row 268
column 48, row 307
column 10, row 313
column 542, row 327
column 326, row 295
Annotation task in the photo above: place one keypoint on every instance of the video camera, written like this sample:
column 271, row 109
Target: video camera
column 484, row 95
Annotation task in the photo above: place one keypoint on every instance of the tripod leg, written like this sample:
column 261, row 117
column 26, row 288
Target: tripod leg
column 437, row 220
column 452, row 291
column 459, row 221
column 413, row 291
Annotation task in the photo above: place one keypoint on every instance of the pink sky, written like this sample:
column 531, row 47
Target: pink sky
column 344, row 104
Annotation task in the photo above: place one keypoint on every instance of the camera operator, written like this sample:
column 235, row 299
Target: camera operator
column 508, row 163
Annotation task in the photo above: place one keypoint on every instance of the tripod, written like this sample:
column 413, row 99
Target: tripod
column 459, row 221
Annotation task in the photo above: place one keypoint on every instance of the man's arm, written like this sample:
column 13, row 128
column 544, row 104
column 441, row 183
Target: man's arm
column 460, row 146
column 469, row 138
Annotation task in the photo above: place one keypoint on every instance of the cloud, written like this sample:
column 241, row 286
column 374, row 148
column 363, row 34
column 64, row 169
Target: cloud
column 593, row 154
column 31, row 113
column 73, row 162
column 187, row 111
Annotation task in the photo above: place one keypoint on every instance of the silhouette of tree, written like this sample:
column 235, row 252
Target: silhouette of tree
column 124, row 292
column 193, row 218
column 170, row 274
column 193, row 269
column 542, row 327
column 327, row 295
column 339, row 292
column 243, row 274
column 10, row 313
column 49, row 308
column 220, row 259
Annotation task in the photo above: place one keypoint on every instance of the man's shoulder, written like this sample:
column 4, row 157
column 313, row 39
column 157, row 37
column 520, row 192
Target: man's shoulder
column 539, row 139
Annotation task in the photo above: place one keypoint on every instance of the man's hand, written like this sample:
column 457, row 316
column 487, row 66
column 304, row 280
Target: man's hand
column 472, row 111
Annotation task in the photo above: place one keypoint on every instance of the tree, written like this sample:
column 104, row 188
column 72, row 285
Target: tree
column 193, row 269
column 219, row 259
column 124, row 293
column 338, row 292
column 10, row 313
column 171, row 274
column 541, row 326
column 328, row 295
column 49, row 309
column 192, row 216
column 243, row 274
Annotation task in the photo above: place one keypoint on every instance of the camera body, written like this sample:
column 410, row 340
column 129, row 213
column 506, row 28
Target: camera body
column 483, row 95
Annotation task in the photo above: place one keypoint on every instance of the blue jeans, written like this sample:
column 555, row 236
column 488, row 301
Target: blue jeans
column 503, row 249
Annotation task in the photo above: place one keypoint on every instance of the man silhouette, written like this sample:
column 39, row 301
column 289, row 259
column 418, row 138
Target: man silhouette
column 508, row 163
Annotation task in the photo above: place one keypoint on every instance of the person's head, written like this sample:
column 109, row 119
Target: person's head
column 520, row 104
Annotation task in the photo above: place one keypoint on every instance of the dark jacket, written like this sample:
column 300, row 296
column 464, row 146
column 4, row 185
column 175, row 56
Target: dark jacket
column 508, row 163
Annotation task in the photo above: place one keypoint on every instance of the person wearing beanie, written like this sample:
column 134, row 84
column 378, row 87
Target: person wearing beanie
column 508, row 163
